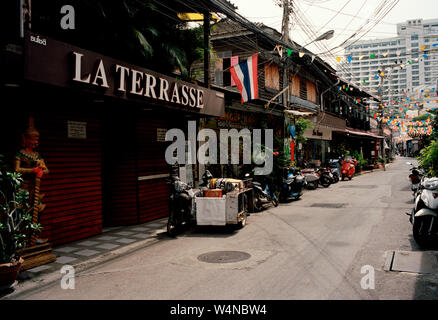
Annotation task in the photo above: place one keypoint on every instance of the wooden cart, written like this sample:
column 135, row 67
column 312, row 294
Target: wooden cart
column 230, row 209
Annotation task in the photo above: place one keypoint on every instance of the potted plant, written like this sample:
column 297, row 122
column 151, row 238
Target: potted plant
column 381, row 163
column 16, row 225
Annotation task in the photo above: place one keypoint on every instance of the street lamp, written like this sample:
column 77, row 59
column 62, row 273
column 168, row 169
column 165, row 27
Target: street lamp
column 326, row 36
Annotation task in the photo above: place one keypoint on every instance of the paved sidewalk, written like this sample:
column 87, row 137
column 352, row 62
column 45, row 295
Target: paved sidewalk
column 86, row 249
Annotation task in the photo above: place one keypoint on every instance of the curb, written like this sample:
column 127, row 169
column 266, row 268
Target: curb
column 47, row 280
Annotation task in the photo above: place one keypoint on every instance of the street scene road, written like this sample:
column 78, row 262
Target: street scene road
column 313, row 248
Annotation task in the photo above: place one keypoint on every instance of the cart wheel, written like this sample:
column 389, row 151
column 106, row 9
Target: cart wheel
column 242, row 223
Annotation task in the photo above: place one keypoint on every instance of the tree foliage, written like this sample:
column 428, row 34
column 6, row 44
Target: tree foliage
column 429, row 158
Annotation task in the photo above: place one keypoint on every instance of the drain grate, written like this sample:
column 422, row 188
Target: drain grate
column 328, row 205
column 224, row 256
column 352, row 186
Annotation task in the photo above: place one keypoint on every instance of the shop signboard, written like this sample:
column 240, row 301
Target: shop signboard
column 56, row 63
column 318, row 133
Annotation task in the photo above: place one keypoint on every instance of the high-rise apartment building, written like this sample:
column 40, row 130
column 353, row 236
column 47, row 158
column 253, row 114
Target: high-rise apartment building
column 393, row 67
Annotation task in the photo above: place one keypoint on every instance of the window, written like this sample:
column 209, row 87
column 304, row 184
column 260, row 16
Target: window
column 223, row 62
column 415, row 72
column 311, row 91
column 294, row 86
column 415, row 84
column 272, row 76
column 303, row 88
column 414, row 37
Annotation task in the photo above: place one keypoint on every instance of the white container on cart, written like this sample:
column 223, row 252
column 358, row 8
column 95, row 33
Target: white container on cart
column 221, row 211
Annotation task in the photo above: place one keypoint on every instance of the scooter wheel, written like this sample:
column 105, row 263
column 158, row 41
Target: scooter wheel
column 171, row 229
column 420, row 231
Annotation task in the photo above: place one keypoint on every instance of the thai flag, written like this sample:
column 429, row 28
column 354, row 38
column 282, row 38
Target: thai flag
column 244, row 75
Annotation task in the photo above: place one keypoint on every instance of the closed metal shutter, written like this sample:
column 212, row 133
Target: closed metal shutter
column 73, row 188
column 153, row 192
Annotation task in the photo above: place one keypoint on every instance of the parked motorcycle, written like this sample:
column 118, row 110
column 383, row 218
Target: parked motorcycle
column 348, row 168
column 335, row 167
column 293, row 185
column 263, row 193
column 312, row 178
column 415, row 177
column 424, row 215
column 326, row 177
column 181, row 203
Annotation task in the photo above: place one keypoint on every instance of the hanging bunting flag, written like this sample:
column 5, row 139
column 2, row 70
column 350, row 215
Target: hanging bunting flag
column 435, row 44
column 301, row 54
column 386, row 53
column 280, row 50
column 372, row 56
column 398, row 52
column 339, row 59
column 313, row 58
column 422, row 48
column 425, row 56
column 289, row 52
column 244, row 75
column 349, row 59
column 361, row 57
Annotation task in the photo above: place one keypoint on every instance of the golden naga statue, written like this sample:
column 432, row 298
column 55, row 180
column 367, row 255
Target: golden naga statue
column 31, row 165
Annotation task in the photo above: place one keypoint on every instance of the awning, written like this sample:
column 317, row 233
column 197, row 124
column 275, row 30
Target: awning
column 362, row 133
column 298, row 113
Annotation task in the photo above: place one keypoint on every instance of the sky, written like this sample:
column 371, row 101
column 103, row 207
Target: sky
column 345, row 17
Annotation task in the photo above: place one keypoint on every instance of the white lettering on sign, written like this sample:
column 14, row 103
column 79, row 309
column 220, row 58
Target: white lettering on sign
column 77, row 130
column 136, row 82
column 38, row 40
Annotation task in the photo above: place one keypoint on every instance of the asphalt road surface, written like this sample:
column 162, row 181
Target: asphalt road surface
column 313, row 248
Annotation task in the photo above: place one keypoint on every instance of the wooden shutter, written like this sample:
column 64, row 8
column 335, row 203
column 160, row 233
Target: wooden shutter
column 294, row 86
column 311, row 91
column 272, row 76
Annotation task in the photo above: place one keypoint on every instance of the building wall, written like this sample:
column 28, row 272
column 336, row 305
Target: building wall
column 412, row 36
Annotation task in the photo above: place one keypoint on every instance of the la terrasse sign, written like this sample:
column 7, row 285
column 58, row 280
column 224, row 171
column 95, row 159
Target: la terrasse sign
column 61, row 64
column 140, row 83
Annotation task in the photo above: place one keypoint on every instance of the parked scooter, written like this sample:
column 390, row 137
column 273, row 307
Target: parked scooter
column 312, row 178
column 415, row 177
column 293, row 185
column 181, row 203
column 335, row 168
column 424, row 216
column 348, row 168
column 263, row 193
column 326, row 177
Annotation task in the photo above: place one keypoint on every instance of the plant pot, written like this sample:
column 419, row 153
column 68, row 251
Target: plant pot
column 9, row 272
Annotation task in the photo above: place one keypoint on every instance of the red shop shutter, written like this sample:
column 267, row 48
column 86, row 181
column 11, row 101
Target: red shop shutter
column 153, row 192
column 73, row 188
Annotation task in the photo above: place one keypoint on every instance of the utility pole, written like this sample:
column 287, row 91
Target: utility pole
column 207, row 48
column 287, row 10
